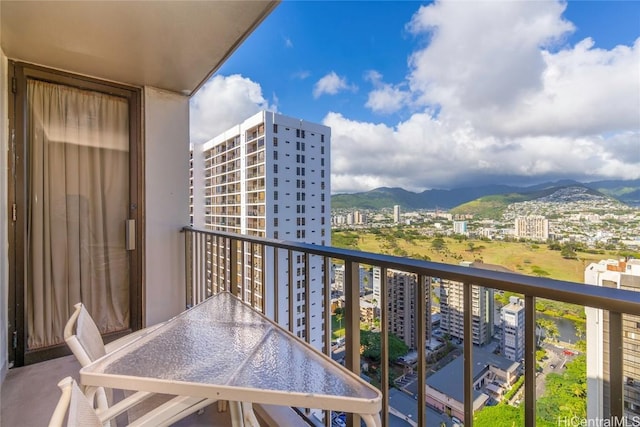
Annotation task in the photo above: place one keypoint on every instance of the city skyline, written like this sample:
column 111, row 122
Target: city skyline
column 445, row 94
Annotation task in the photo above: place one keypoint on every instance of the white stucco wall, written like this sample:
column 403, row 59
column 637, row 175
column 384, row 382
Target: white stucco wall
column 166, row 125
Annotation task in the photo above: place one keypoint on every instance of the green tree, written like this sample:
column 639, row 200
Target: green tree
column 370, row 342
column 438, row 244
column 565, row 393
column 549, row 328
column 568, row 252
column 501, row 415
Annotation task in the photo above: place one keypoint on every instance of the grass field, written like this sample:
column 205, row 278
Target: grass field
column 525, row 258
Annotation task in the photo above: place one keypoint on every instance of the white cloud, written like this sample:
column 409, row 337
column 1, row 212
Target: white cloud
column 331, row 84
column 498, row 95
column 385, row 98
column 424, row 152
column 223, row 102
column 287, row 42
column 301, row 75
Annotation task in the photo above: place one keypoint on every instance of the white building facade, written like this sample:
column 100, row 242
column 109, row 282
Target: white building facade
column 534, row 227
column 452, row 311
column 269, row 176
column 621, row 275
column 512, row 340
column 460, row 227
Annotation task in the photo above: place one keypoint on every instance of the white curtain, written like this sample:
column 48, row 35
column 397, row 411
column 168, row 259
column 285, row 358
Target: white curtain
column 78, row 182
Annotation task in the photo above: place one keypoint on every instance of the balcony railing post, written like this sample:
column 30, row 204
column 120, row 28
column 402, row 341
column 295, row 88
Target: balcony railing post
column 188, row 267
column 421, row 344
column 616, row 392
column 276, row 287
column 291, row 288
column 468, row 354
column 233, row 267
column 326, row 313
column 352, row 323
column 529, row 361
column 307, row 297
column 384, row 345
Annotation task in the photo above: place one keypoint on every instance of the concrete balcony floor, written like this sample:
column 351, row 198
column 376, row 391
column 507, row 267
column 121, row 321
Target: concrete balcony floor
column 29, row 395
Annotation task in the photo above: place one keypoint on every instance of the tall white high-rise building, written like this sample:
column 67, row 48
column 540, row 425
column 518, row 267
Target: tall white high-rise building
column 620, row 275
column 460, row 227
column 512, row 340
column 269, row 176
column 396, row 214
column 452, row 307
column 532, row 227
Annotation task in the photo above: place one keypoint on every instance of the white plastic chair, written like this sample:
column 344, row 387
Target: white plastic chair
column 80, row 413
column 83, row 338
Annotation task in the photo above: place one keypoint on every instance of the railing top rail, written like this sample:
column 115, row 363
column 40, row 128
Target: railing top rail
column 618, row 300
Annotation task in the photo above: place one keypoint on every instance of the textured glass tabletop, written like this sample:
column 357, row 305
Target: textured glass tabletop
column 222, row 348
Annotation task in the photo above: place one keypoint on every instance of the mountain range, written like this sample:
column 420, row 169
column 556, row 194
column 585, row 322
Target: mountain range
column 627, row 192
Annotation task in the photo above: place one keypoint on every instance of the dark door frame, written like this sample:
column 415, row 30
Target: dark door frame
column 18, row 74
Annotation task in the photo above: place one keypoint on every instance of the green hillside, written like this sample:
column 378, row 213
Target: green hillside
column 492, row 207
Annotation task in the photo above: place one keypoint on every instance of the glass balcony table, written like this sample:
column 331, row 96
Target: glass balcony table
column 222, row 349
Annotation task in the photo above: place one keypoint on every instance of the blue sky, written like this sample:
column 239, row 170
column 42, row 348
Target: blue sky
column 445, row 94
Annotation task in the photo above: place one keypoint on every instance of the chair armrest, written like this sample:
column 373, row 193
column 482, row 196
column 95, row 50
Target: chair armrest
column 124, row 405
column 60, row 411
column 172, row 411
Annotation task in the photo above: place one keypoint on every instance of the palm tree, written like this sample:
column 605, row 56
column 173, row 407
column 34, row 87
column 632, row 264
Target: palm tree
column 549, row 327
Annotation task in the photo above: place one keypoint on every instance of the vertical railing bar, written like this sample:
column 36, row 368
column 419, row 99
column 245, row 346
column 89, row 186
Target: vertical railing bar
column 263, row 278
column 529, row 360
column 327, row 305
column 421, row 344
column 291, row 288
column 616, row 391
column 243, row 269
column 352, row 324
column 384, row 345
column 187, row 267
column 194, row 300
column 307, row 297
column 198, row 296
column 276, row 286
column 222, row 264
column 209, row 263
column 233, row 269
column 326, row 280
column 468, row 353
column 216, row 266
column 252, row 270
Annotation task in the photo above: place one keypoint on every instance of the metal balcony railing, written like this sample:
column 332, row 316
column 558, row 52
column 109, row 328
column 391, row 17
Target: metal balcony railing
column 204, row 247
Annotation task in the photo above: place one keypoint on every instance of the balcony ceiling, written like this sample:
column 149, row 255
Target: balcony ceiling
column 172, row 45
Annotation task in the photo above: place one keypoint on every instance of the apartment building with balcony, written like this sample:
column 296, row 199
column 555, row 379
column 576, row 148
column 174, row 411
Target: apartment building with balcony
column 535, row 227
column 460, row 227
column 47, row 42
column 452, row 313
column 402, row 304
column 618, row 274
column 269, row 176
column 512, row 320
column 364, row 274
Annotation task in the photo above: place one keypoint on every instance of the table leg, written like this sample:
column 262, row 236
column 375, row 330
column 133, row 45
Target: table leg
column 372, row 420
column 249, row 416
column 236, row 414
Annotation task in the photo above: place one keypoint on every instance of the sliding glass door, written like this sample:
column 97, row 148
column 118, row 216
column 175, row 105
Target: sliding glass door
column 76, row 183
